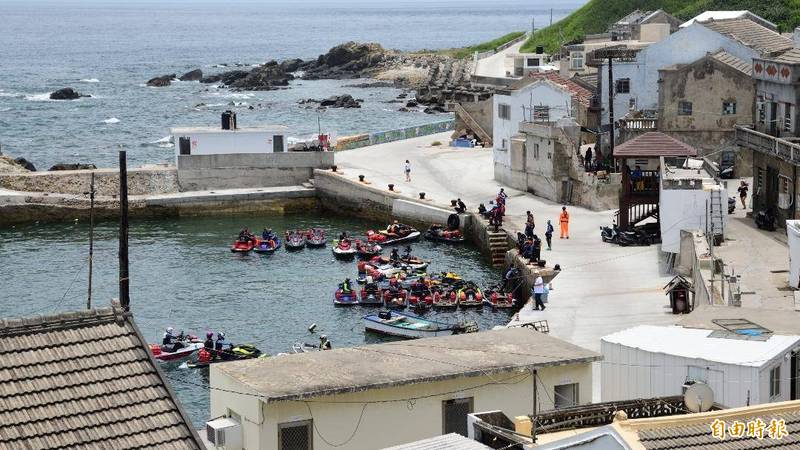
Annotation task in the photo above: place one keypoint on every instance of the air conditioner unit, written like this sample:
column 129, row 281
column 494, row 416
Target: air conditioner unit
column 224, row 433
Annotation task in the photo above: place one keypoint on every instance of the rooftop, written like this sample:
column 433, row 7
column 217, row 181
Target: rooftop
column 723, row 15
column 751, row 34
column 652, row 145
column 701, row 344
column 400, row 363
column 85, row 380
column 789, row 57
column 451, row 441
column 261, row 129
column 779, row 321
column 732, row 61
column 578, row 92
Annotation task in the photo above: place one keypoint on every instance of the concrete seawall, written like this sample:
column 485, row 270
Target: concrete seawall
column 141, row 181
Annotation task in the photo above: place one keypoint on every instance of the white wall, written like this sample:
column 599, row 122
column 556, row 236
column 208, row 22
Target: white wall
column 537, row 93
column 682, row 47
column 682, row 209
column 228, row 142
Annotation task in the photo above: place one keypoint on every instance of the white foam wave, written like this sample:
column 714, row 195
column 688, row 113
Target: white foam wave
column 111, row 120
column 39, row 97
column 89, row 80
column 167, row 139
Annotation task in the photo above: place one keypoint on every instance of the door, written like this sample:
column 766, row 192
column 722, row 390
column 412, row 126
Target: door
column 771, row 194
column 277, row 143
column 184, row 145
column 454, row 415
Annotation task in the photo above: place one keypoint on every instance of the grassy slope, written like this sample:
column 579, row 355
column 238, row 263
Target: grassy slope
column 466, row 52
column 596, row 15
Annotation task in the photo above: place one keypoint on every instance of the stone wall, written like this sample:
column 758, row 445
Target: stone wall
column 244, row 170
column 142, row 181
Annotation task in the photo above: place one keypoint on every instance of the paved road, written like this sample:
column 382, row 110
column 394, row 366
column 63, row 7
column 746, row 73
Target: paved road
column 495, row 65
column 602, row 289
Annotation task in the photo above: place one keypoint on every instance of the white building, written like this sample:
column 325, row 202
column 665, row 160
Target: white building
column 545, row 97
column 689, row 199
column 636, row 80
column 723, row 15
column 218, row 141
column 518, row 64
column 741, row 368
column 381, row 395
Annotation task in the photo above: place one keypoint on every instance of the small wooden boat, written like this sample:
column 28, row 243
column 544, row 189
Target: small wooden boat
column 405, row 325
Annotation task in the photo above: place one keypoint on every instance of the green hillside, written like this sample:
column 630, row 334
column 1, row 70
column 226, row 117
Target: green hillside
column 596, row 15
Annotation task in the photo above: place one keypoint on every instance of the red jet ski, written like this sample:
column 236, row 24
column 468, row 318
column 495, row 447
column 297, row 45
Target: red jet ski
column 242, row 246
column 188, row 346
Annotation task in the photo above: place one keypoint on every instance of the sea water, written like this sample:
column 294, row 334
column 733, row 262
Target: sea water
column 109, row 49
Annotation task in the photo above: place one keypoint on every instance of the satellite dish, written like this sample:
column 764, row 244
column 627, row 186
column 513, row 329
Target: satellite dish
column 698, row 397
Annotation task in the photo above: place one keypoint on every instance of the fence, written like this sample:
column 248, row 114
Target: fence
column 382, row 137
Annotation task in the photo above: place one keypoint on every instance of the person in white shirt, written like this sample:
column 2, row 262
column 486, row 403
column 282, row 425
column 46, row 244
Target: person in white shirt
column 408, row 170
column 538, row 291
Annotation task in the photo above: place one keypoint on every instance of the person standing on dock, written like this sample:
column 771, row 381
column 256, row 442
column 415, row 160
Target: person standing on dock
column 548, row 234
column 538, row 291
column 564, row 221
column 408, row 171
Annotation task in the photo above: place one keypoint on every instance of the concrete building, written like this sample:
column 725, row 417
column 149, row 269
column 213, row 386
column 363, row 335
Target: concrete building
column 218, row 141
column 741, row 368
column 87, row 380
column 690, row 198
column 650, row 26
column 519, row 64
column 636, row 80
column 777, row 93
column 389, row 394
column 577, row 59
column 701, row 102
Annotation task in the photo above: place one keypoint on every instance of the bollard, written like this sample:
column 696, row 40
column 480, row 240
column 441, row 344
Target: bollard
column 333, row 168
column 391, row 187
column 422, row 196
column 361, row 178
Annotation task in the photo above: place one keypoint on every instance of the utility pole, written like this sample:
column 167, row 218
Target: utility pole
column 124, row 281
column 535, row 406
column 91, row 239
column 551, row 17
column 533, row 25
column 610, row 54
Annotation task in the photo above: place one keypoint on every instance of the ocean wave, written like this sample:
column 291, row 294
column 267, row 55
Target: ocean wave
column 39, row 97
column 89, row 80
column 111, row 120
column 11, row 94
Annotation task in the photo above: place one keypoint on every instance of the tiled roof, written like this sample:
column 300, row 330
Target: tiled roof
column 652, row 145
column 589, row 80
column 789, row 57
column 732, row 61
column 698, row 436
column 85, row 380
column 751, row 34
column 578, row 92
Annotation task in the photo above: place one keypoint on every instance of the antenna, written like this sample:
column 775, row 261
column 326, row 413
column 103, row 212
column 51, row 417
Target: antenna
column 91, row 240
column 698, row 397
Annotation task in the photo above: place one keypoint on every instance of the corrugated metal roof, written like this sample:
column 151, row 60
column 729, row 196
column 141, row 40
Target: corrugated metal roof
column 84, row 380
column 390, row 364
column 732, row 61
column 698, row 437
column 751, row 34
column 450, row 441
column 654, row 144
column 697, row 343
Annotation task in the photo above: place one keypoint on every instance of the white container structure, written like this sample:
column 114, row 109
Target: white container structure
column 218, row 141
column 793, row 235
column 653, row 361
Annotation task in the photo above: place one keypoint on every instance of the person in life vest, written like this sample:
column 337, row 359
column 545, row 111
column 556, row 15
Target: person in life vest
column 564, row 220
column 346, row 287
column 208, row 344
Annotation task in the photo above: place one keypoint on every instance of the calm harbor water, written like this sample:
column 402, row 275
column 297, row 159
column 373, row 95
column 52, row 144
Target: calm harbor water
column 110, row 48
column 183, row 275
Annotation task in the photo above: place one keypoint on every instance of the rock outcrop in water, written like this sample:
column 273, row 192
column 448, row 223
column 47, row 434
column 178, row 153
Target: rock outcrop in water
column 192, row 75
column 162, row 81
column 266, row 77
column 336, row 101
column 67, row 94
column 73, row 166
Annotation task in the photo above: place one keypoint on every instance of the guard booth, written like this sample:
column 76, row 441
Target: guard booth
column 639, row 161
column 679, row 290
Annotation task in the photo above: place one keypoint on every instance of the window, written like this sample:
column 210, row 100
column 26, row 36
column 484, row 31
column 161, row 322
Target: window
column 576, row 60
column 566, row 395
column 728, row 108
column 632, row 104
column 504, row 144
column 454, row 415
column 775, row 383
column 541, row 113
column 277, row 143
column 761, row 110
column 295, row 436
column 623, row 86
column 532, row 62
column 536, row 151
column 784, row 192
column 504, row 111
column 684, row 108
column 787, row 117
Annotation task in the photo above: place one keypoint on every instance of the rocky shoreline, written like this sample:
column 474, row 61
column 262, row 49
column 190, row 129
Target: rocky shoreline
column 427, row 73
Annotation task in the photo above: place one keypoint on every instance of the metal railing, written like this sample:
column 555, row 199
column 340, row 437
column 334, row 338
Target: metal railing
column 769, row 145
column 638, row 124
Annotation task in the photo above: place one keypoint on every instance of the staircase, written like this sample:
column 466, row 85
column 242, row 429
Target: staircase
column 639, row 212
column 498, row 246
column 474, row 126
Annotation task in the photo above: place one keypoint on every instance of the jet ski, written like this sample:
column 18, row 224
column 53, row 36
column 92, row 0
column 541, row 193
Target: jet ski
column 344, row 249
column 295, row 240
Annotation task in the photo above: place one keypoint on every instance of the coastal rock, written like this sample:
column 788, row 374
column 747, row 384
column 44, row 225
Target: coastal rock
column 262, row 78
column 411, row 104
column 348, row 60
column 72, row 166
column 27, row 165
column 66, row 94
column 162, row 81
column 193, row 75
column 434, row 110
column 340, row 101
column 291, row 65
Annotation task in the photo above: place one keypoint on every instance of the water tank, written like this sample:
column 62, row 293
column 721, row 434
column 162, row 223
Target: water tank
column 229, row 120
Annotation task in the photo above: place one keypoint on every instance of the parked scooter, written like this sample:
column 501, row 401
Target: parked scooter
column 636, row 237
column 610, row 234
column 765, row 219
column 731, row 205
